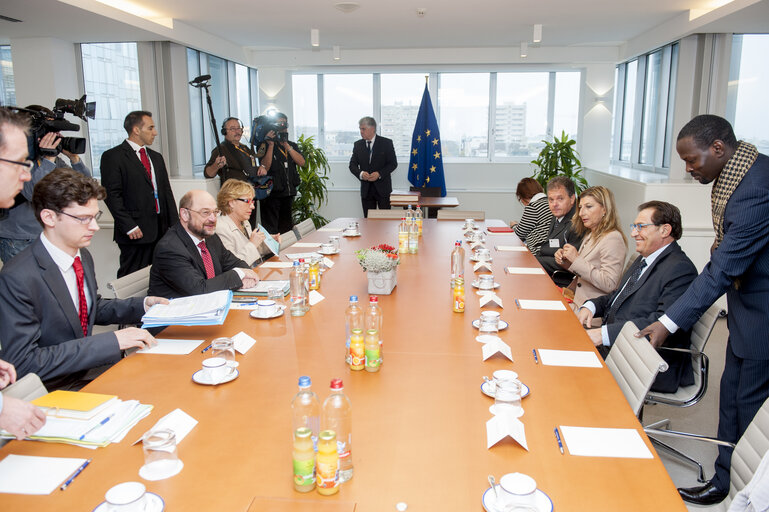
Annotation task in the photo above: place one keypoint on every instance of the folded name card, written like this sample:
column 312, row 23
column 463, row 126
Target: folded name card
column 489, row 297
column 496, row 345
column 276, row 264
column 177, row 420
column 511, row 248
column 305, row 244
column 328, row 262
column 524, row 270
column 503, row 425
column 482, row 264
column 335, row 230
column 242, row 342
column 476, row 244
column 315, row 297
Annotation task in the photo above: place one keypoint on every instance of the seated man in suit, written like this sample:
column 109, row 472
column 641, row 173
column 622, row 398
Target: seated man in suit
column 563, row 203
column 190, row 259
column 48, row 292
column 653, row 282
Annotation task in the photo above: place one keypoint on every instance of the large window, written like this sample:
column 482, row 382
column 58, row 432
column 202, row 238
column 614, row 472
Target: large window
column 233, row 94
column 495, row 116
column 7, row 87
column 111, row 76
column 643, row 110
column 747, row 101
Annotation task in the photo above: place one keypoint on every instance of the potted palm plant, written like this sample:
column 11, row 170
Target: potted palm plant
column 559, row 158
column 313, row 189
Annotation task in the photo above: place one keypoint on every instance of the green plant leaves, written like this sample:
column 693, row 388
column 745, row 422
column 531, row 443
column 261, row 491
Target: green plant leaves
column 559, row 158
column 313, row 189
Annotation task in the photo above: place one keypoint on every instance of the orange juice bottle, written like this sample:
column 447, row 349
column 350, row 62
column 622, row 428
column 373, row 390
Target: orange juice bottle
column 314, row 274
column 459, row 295
column 304, row 460
column 327, row 473
column 357, row 350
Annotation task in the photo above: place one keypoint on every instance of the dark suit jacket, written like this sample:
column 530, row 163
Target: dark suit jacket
column 39, row 325
column 562, row 232
column 742, row 255
column 658, row 287
column 130, row 196
column 178, row 271
column 383, row 161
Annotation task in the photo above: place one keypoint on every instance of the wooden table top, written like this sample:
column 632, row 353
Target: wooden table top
column 419, row 432
column 429, row 202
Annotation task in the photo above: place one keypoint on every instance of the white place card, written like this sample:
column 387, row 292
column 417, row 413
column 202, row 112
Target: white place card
column 511, row 248
column 305, row 244
column 496, row 346
column 315, row 297
column 334, row 230
column 482, row 264
column 605, row 442
column 524, row 270
column 503, row 425
column 328, row 262
column 276, row 264
column 545, row 305
column 307, row 256
column 172, row 347
column 489, row 297
column 24, row 474
column 577, row 358
column 177, row 420
column 475, row 244
column 242, row 342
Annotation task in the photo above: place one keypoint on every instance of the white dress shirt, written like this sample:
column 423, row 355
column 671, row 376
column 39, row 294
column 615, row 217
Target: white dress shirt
column 136, row 149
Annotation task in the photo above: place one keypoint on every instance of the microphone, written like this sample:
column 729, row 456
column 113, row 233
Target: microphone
column 200, row 79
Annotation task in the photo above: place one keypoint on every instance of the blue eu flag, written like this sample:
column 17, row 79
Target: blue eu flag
column 426, row 162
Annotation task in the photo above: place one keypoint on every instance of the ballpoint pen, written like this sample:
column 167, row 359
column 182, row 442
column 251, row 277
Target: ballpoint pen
column 536, row 359
column 518, row 304
column 558, row 438
column 203, row 351
column 102, row 422
column 77, row 472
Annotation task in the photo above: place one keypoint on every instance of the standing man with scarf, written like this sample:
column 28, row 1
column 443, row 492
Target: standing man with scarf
column 739, row 266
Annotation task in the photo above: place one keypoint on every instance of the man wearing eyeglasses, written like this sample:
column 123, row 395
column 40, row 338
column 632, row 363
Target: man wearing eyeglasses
column 139, row 195
column 48, row 292
column 659, row 275
column 191, row 259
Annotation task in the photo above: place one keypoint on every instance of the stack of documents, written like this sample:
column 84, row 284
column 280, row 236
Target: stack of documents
column 205, row 309
column 260, row 290
column 86, row 419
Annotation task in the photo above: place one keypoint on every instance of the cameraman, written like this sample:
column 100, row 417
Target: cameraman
column 20, row 227
column 280, row 162
column 236, row 160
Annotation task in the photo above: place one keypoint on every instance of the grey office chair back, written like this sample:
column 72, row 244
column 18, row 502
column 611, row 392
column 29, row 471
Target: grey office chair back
column 749, row 451
column 304, row 228
column 26, row 388
column 386, row 214
column 287, row 239
column 634, row 364
column 450, row 214
column 134, row 284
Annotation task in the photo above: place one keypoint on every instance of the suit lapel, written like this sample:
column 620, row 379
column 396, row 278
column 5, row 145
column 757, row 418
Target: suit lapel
column 187, row 242
column 90, row 280
column 641, row 280
column 135, row 163
column 55, row 282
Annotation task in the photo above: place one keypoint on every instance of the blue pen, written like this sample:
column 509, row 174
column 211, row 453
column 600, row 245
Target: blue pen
column 536, row 359
column 558, row 438
column 102, row 422
column 77, row 472
column 518, row 304
column 202, row 351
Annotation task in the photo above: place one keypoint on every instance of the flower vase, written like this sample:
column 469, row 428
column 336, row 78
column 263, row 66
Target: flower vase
column 382, row 283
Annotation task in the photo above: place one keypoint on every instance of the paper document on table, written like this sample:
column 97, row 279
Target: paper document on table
column 177, row 420
column 524, row 270
column 23, row 474
column 605, row 442
column 276, row 264
column 511, row 248
column 204, row 309
column 496, row 345
column 271, row 243
column 579, row 358
column 305, row 244
column 172, row 347
column 315, row 297
column 335, row 230
column 307, row 256
column 503, row 425
column 547, row 305
column 242, row 342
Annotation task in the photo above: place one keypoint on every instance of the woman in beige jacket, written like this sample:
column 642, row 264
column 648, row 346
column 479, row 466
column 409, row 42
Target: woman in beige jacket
column 600, row 259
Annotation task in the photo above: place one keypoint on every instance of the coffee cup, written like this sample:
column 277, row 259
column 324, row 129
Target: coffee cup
column 518, row 492
column 327, row 247
column 126, row 497
column 486, row 281
column 215, row 369
column 489, row 323
column 501, row 375
column 266, row 308
column 482, row 254
column 335, row 241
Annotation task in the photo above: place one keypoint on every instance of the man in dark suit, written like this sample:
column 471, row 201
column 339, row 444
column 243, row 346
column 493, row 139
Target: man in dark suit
column 739, row 266
column 373, row 160
column 139, row 194
column 562, row 200
column 48, row 292
column 653, row 282
column 190, row 259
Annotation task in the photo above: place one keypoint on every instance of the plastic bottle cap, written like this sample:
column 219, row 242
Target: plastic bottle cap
column 353, row 298
column 373, row 298
column 401, row 507
column 337, row 384
column 301, row 260
column 296, row 263
column 305, row 381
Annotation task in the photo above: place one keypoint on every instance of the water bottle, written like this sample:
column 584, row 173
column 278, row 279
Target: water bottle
column 337, row 416
column 413, row 237
column 305, row 409
column 418, row 219
column 409, row 215
column 298, row 290
column 353, row 317
column 457, row 262
column 403, row 236
column 373, row 341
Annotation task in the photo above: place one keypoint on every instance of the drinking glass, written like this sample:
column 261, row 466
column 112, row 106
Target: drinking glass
column 276, row 294
column 224, row 348
column 161, row 459
column 508, row 394
column 489, row 323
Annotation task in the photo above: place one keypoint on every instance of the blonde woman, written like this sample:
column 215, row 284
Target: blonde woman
column 598, row 263
column 236, row 202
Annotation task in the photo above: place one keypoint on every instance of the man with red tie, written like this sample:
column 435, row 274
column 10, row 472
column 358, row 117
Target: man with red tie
column 190, row 259
column 48, row 292
column 139, row 195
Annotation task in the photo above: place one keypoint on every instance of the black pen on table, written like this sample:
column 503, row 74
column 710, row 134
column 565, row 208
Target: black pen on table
column 558, row 438
column 74, row 475
column 203, row 351
column 536, row 359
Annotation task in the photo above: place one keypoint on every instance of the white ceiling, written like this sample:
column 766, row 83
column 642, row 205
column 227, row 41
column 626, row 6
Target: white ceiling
column 390, row 24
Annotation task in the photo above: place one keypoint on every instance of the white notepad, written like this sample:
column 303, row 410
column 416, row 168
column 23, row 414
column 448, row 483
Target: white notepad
column 276, row 264
column 24, row 474
column 579, row 358
column 605, row 442
column 172, row 347
column 524, row 270
column 546, row 305
column 511, row 248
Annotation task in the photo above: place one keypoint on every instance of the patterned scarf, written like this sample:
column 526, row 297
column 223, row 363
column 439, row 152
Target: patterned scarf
column 733, row 172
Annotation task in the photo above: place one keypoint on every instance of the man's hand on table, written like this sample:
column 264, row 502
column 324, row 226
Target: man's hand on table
column 20, row 418
column 131, row 337
column 250, row 278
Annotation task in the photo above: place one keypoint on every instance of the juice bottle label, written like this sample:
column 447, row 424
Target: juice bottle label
column 304, row 471
column 372, row 357
column 327, row 475
column 341, row 449
column 459, row 303
column 314, row 284
column 357, row 356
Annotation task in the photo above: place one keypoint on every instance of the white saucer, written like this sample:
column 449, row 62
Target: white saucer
column 473, row 258
column 160, row 470
column 475, row 285
column 485, row 390
column 351, row 234
column 281, row 310
column 517, row 414
column 501, row 325
column 153, row 503
column 201, row 378
column 544, row 503
column 329, row 252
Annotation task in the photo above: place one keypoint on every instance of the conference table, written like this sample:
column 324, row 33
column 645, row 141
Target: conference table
column 419, row 434
column 426, row 202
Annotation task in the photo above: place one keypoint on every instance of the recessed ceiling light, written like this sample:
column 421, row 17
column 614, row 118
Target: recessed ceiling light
column 537, row 33
column 315, row 37
column 524, row 49
column 347, row 7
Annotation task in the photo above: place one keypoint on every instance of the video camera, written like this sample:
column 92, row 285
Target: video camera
column 263, row 125
column 44, row 120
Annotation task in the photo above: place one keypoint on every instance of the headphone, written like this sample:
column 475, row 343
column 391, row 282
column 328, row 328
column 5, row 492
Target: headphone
column 224, row 124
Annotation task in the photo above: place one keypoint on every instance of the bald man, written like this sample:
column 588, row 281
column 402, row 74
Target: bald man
column 190, row 259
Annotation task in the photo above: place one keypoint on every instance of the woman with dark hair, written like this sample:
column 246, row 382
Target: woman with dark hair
column 536, row 218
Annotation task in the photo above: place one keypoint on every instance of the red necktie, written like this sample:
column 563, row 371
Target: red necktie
column 78, row 266
column 207, row 261
column 146, row 162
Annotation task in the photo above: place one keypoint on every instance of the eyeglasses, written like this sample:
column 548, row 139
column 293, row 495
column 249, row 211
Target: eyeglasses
column 247, row 201
column 86, row 219
column 639, row 227
column 205, row 213
column 28, row 164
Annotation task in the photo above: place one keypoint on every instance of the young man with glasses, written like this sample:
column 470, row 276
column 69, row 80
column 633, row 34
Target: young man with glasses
column 48, row 292
column 191, row 259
